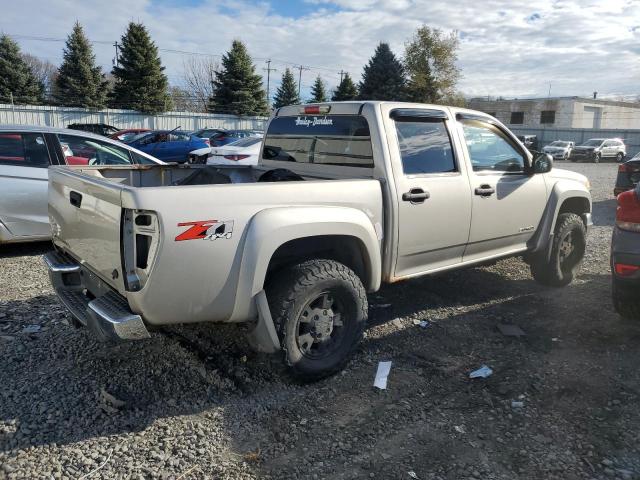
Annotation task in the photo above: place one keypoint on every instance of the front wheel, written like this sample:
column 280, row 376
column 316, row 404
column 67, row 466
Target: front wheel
column 596, row 157
column 567, row 252
column 319, row 308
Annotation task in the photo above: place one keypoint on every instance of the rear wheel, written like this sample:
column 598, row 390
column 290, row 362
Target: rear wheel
column 625, row 301
column 567, row 252
column 619, row 157
column 319, row 308
column 596, row 157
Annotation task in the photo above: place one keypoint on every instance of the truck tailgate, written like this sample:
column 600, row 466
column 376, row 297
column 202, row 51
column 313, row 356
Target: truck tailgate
column 85, row 213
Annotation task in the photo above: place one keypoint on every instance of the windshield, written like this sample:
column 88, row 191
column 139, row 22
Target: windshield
column 135, row 137
column 559, row 144
column 592, row 143
column 342, row 140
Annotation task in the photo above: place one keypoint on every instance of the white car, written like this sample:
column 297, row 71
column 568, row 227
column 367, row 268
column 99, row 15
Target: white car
column 559, row 150
column 25, row 155
column 241, row 152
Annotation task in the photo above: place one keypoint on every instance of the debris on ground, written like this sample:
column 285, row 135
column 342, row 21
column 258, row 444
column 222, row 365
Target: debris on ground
column 380, row 305
column 516, row 404
column 110, row 403
column 31, row 329
column 482, row 372
column 381, row 375
column 509, row 330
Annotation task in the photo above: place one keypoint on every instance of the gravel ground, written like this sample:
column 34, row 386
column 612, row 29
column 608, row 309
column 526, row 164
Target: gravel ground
column 198, row 403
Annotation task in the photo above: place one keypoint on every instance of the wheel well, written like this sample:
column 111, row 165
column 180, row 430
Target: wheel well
column 577, row 205
column 345, row 249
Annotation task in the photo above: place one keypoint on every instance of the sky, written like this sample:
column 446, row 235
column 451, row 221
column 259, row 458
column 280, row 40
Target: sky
column 510, row 48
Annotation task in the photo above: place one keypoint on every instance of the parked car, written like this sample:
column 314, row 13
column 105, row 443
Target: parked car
column 625, row 255
column 628, row 175
column 25, row 155
column 127, row 134
column 208, row 132
column 168, row 145
column 346, row 196
column 97, row 128
column 241, row 152
column 228, row 136
column 559, row 150
column 595, row 149
column 529, row 141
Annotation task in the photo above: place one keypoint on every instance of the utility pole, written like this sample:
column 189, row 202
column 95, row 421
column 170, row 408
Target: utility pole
column 342, row 73
column 301, row 68
column 268, row 70
column 116, row 62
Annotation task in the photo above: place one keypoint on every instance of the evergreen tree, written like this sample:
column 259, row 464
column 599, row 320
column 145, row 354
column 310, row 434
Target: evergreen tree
column 318, row 91
column 383, row 77
column 140, row 83
column 287, row 93
column 346, row 90
column 80, row 82
column 17, row 81
column 430, row 62
column 237, row 89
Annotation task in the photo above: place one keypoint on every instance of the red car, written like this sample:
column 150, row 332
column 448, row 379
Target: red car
column 128, row 134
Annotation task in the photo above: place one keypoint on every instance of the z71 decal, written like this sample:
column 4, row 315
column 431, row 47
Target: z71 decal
column 206, row 230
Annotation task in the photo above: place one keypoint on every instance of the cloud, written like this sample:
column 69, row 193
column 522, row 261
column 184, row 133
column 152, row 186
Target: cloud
column 578, row 46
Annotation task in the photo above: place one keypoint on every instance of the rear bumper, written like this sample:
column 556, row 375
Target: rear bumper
column 105, row 312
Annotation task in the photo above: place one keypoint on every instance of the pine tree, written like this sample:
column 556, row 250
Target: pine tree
column 17, row 82
column 287, row 93
column 346, row 90
column 318, row 91
column 383, row 77
column 237, row 89
column 80, row 82
column 430, row 62
column 140, row 83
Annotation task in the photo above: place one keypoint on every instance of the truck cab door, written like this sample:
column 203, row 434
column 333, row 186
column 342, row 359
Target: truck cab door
column 432, row 190
column 508, row 199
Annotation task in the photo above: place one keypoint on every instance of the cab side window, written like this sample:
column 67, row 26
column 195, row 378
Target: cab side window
column 87, row 151
column 23, row 149
column 425, row 147
column 490, row 149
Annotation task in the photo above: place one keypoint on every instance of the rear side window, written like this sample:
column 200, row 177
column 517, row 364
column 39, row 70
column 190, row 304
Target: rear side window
column 425, row 147
column 87, row 151
column 23, row 149
column 338, row 140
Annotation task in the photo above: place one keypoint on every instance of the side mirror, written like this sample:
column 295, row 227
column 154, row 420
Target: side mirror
column 542, row 163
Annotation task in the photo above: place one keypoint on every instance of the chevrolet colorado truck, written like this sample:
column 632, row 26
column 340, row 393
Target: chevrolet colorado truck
column 346, row 196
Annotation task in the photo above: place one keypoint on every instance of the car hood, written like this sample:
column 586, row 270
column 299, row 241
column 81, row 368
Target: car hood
column 583, row 147
column 562, row 174
column 554, row 149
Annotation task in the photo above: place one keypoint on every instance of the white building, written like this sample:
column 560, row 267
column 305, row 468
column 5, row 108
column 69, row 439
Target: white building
column 562, row 112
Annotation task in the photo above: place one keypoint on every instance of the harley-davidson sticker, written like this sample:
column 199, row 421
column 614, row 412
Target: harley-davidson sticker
column 206, row 230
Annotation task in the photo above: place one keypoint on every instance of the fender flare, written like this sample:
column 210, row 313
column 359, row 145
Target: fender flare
column 271, row 228
column 562, row 191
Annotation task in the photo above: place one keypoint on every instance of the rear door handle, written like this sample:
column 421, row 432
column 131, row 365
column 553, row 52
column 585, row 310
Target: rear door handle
column 75, row 199
column 485, row 190
column 415, row 195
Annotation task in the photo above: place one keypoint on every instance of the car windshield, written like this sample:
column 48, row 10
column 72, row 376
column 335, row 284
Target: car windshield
column 559, row 144
column 592, row 143
column 245, row 142
column 135, row 137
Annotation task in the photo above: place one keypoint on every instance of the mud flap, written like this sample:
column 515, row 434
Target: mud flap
column 263, row 337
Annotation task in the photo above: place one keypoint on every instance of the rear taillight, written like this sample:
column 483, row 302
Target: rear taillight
column 628, row 211
column 625, row 270
column 623, row 167
column 140, row 239
column 315, row 109
column 235, row 158
column 208, row 142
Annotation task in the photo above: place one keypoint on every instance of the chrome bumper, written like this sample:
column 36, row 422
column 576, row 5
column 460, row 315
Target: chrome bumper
column 108, row 316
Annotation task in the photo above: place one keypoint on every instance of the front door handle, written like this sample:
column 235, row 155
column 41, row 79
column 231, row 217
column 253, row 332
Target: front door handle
column 415, row 195
column 485, row 190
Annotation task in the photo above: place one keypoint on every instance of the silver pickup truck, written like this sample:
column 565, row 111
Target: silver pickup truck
column 346, row 196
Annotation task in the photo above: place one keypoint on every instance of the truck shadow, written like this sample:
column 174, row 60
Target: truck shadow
column 604, row 212
column 10, row 250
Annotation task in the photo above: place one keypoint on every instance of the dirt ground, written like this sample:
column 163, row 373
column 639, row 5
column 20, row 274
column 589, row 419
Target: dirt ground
column 197, row 403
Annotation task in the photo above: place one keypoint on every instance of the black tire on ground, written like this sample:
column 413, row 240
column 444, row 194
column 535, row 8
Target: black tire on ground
column 319, row 308
column 625, row 301
column 596, row 158
column 566, row 156
column 574, row 160
column 567, row 252
column 619, row 157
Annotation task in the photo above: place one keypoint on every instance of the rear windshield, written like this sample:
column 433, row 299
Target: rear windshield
column 245, row 142
column 340, row 140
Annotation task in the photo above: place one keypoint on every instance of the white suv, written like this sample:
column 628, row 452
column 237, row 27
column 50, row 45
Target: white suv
column 595, row 149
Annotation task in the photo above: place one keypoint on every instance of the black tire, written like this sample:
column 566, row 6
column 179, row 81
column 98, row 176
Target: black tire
column 565, row 156
column 625, row 301
column 567, row 252
column 619, row 157
column 596, row 157
column 573, row 159
column 306, row 301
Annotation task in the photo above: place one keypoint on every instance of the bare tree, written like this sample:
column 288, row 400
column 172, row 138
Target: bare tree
column 199, row 74
column 183, row 100
column 44, row 71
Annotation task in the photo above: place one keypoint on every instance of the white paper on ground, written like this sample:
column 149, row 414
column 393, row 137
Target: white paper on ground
column 381, row 375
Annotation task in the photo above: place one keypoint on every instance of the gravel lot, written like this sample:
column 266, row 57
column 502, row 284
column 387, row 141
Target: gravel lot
column 198, row 403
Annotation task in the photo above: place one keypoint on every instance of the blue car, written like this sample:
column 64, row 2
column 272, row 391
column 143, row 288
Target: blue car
column 168, row 145
column 224, row 137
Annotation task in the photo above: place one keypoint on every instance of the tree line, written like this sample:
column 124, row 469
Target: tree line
column 426, row 73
